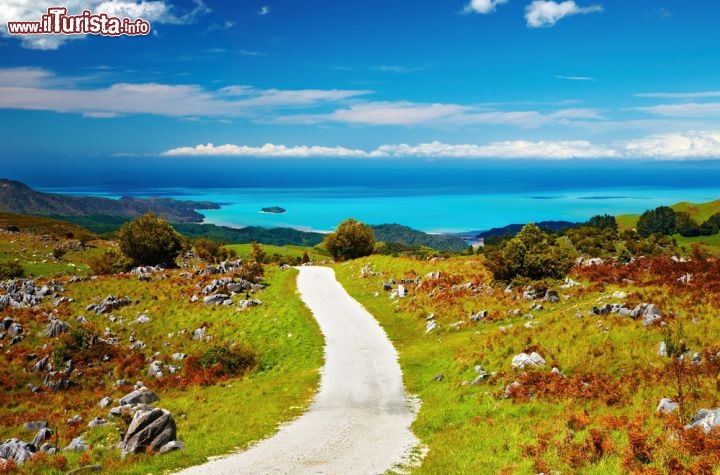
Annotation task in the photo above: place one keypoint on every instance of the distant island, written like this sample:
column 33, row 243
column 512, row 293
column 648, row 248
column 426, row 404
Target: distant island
column 273, row 210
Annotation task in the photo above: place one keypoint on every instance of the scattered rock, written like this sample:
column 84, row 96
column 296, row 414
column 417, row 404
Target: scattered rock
column 43, row 435
column 249, row 303
column 439, row 377
column 155, row 369
column 662, row 349
column 56, row 328
column 216, row 299
column 707, row 419
column 109, row 304
column 430, row 326
column 17, row 451
column 105, row 402
column 139, row 396
column 78, row 444
column 481, row 315
column 97, row 422
column 523, row 359
column 199, row 334
column 142, row 319
column 173, row 445
column 511, row 387
column 666, row 406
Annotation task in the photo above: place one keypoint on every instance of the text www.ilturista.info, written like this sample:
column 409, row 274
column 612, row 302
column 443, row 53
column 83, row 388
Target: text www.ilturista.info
column 58, row 22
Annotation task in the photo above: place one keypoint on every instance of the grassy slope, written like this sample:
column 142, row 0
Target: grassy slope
column 698, row 211
column 315, row 253
column 473, row 429
column 212, row 420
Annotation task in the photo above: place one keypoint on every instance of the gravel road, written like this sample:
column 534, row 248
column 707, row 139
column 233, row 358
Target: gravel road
column 359, row 422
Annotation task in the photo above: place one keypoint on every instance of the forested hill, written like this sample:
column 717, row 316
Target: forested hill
column 16, row 197
column 396, row 233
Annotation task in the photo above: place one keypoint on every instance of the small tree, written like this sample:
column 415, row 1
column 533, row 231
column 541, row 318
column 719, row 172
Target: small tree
column 149, row 240
column 351, row 239
column 258, row 254
column 305, row 258
column 212, row 251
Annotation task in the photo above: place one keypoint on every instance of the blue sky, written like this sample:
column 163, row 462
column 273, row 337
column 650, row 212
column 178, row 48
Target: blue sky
column 602, row 79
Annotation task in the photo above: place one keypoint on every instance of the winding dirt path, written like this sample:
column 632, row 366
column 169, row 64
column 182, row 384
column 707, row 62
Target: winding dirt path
column 359, row 422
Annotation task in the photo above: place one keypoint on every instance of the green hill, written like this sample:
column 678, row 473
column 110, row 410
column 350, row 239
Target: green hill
column 698, row 211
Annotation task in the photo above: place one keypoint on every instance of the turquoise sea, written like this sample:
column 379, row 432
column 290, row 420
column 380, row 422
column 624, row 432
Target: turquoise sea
column 433, row 196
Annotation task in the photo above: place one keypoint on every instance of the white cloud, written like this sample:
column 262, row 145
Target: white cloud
column 395, row 113
column 509, row 149
column 154, row 11
column 544, row 13
column 39, row 89
column 416, row 114
column 691, row 145
column 575, row 78
column 545, row 149
column 264, row 10
column 483, row 6
column 679, row 95
column 267, row 150
column 687, row 145
column 692, row 109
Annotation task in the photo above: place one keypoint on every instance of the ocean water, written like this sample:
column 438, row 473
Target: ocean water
column 433, row 196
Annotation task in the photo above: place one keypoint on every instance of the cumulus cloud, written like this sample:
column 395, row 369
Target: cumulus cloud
column 508, row 149
column 687, row 145
column 267, row 150
column 40, row 89
column 483, row 6
column 544, row 13
column 693, row 145
column 154, row 11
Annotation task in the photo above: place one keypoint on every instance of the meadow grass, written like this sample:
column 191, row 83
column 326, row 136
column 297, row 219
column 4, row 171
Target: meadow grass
column 314, row 253
column 613, row 374
column 212, row 420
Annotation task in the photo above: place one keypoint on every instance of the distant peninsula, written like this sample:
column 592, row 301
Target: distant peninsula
column 273, row 210
column 16, row 197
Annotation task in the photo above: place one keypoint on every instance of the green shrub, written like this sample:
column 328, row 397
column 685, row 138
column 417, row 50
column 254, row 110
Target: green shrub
column 110, row 262
column 149, row 241
column 228, row 361
column 351, row 239
column 11, row 270
column 531, row 254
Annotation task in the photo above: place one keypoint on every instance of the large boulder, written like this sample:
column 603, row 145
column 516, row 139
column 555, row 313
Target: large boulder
column 149, row 429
